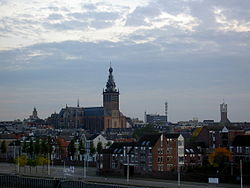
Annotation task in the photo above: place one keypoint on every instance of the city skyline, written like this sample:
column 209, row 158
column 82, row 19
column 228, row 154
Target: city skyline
column 191, row 53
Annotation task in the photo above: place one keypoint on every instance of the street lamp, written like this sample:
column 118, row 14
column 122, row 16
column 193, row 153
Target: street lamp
column 84, row 157
column 241, row 180
column 127, row 156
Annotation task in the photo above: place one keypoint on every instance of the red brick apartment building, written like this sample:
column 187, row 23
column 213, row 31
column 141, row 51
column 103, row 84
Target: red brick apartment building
column 150, row 154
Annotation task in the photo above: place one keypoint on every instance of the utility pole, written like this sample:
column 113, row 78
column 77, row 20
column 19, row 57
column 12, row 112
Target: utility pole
column 179, row 175
column 84, row 168
column 127, row 164
column 241, row 180
column 48, row 165
column 178, row 167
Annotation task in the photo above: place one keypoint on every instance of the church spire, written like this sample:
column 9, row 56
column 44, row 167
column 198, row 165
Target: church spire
column 110, row 86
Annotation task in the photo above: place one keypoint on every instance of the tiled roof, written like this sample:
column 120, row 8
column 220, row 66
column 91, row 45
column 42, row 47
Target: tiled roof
column 173, row 135
column 94, row 111
column 92, row 137
column 148, row 140
column 8, row 136
column 117, row 147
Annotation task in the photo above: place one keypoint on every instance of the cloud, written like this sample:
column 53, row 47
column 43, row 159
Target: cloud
column 55, row 16
column 186, row 48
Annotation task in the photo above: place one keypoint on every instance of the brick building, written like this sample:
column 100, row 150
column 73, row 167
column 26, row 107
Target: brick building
column 151, row 154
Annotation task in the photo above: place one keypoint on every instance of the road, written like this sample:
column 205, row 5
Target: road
column 76, row 173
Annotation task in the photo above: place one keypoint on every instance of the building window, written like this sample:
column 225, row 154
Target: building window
column 247, row 150
column 180, row 143
column 160, row 150
column 181, row 159
column 160, row 159
column 169, row 150
column 160, row 167
column 169, row 158
column 169, row 166
column 239, row 149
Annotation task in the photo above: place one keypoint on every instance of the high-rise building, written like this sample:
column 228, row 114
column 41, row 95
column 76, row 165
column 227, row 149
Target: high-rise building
column 157, row 119
column 223, row 113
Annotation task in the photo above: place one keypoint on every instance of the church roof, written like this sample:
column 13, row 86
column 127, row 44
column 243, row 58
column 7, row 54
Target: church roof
column 94, row 111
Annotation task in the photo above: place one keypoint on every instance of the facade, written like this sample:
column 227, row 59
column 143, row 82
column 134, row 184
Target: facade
column 95, row 119
column 150, row 155
column 241, row 148
column 156, row 119
column 212, row 137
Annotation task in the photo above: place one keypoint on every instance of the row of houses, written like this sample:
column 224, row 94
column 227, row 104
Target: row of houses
column 151, row 153
column 57, row 146
column 169, row 152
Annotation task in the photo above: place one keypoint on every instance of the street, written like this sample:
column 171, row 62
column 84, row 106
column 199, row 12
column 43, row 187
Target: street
column 76, row 173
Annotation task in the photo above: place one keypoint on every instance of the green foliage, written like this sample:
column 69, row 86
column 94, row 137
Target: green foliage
column 31, row 162
column 37, row 147
column 92, row 149
column 44, row 147
column 148, row 129
column 25, row 147
column 81, row 147
column 3, row 147
column 45, row 161
column 71, row 148
column 39, row 161
column 99, row 147
column 50, row 148
column 21, row 160
column 109, row 143
column 31, row 148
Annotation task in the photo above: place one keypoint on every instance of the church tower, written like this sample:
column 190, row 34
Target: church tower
column 223, row 113
column 111, row 94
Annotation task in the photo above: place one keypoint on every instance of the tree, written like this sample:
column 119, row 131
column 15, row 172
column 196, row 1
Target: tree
column 50, row 143
column 21, row 161
column 37, row 147
column 31, row 148
column 3, row 147
column 109, row 143
column 44, row 147
column 71, row 148
column 31, row 163
column 148, row 129
column 38, row 161
column 99, row 147
column 81, row 147
column 219, row 157
column 92, row 149
column 25, row 147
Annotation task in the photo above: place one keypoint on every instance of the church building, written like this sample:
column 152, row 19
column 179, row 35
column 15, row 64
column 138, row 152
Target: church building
column 95, row 119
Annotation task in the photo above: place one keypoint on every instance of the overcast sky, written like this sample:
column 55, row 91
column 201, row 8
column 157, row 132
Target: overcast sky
column 191, row 53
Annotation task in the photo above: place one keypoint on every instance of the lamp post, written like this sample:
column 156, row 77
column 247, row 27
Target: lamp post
column 179, row 175
column 241, row 180
column 48, row 164
column 84, row 167
column 127, row 156
column 85, row 156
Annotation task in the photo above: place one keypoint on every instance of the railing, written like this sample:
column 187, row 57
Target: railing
column 11, row 181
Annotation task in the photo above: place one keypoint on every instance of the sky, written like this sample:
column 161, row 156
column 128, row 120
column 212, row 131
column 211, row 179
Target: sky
column 190, row 53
